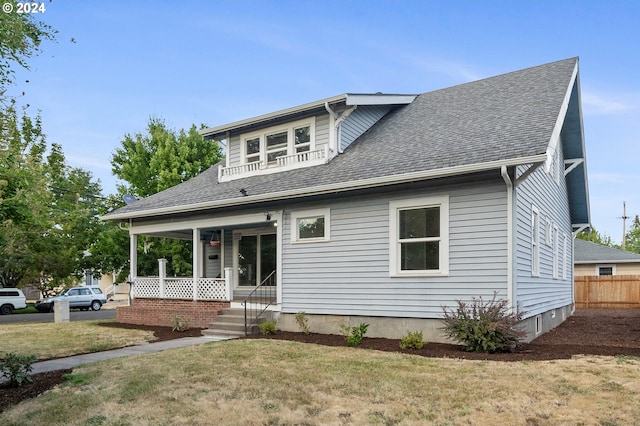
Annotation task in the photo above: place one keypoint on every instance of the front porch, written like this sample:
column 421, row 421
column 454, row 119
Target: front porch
column 232, row 257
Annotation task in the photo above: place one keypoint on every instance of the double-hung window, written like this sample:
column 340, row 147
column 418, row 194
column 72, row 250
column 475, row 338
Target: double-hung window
column 535, row 242
column 419, row 237
column 269, row 144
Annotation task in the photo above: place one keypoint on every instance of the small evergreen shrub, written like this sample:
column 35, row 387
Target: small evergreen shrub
column 303, row 321
column 180, row 323
column 268, row 327
column 17, row 368
column 413, row 340
column 484, row 326
column 354, row 335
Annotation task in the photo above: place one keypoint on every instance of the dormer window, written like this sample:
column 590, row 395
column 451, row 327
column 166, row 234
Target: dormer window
column 270, row 144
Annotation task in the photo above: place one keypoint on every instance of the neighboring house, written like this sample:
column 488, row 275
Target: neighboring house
column 382, row 209
column 593, row 259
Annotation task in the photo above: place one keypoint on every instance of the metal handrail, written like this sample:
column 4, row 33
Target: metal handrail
column 262, row 296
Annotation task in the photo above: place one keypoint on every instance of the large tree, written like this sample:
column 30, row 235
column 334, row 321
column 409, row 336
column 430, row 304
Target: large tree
column 595, row 237
column 48, row 210
column 633, row 236
column 149, row 163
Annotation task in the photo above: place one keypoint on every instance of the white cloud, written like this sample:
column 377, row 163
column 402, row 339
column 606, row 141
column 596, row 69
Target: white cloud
column 601, row 105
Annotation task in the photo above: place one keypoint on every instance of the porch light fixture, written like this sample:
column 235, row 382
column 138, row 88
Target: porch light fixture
column 268, row 216
column 243, row 191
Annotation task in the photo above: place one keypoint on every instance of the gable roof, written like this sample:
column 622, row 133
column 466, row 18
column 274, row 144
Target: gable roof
column 588, row 252
column 505, row 120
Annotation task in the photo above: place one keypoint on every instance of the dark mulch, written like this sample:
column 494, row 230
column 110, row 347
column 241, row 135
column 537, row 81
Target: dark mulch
column 589, row 331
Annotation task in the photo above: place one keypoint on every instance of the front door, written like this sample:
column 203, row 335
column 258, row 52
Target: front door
column 256, row 257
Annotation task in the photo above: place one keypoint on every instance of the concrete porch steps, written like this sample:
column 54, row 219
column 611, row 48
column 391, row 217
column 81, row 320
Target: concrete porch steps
column 230, row 322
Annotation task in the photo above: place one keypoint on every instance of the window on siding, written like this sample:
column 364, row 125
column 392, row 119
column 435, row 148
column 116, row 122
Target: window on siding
column 419, row 236
column 556, row 254
column 535, row 242
column 605, row 270
column 547, row 232
column 274, row 142
column 565, row 240
column 310, row 225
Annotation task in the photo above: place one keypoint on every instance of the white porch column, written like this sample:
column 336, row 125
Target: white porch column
column 196, row 261
column 279, row 243
column 162, row 274
column 133, row 262
column 228, row 282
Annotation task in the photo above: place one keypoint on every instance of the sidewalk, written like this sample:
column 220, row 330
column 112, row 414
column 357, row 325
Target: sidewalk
column 139, row 349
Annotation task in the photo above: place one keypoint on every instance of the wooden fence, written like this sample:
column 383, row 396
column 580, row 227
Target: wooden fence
column 618, row 291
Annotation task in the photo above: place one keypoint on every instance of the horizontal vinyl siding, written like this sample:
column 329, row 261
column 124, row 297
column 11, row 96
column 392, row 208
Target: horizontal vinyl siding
column 349, row 275
column 322, row 131
column 536, row 295
column 359, row 122
column 233, row 148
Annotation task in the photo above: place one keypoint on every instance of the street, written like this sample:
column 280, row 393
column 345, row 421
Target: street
column 74, row 315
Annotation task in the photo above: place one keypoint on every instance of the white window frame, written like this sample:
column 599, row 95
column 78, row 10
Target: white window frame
column 547, row 233
column 394, row 230
column 535, row 241
column 296, row 216
column 612, row 266
column 291, row 145
column 565, row 245
column 556, row 248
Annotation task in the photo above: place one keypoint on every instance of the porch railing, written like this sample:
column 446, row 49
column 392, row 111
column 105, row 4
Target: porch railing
column 258, row 301
column 183, row 288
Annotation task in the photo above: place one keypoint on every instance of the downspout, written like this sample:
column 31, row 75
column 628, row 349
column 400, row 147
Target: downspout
column 510, row 290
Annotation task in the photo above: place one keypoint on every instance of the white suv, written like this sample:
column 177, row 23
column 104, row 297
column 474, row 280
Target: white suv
column 10, row 299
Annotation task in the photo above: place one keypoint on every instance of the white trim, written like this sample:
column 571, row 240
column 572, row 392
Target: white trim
column 511, row 243
column 565, row 267
column 304, row 214
column 394, row 244
column 329, row 188
column 556, row 248
column 535, row 241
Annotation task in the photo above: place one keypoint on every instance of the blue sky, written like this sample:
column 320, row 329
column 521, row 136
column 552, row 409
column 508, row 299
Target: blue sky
column 214, row 62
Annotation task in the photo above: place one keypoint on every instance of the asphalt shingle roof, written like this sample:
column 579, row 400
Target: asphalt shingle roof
column 588, row 252
column 505, row 117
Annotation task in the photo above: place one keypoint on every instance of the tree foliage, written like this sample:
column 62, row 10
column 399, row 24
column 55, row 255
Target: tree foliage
column 633, row 236
column 149, row 163
column 48, row 210
column 595, row 237
column 20, row 38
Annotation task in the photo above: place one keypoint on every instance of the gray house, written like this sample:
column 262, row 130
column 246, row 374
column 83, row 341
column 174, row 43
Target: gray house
column 381, row 209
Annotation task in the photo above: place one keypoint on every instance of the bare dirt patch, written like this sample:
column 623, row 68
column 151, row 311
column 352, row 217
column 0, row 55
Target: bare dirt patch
column 609, row 332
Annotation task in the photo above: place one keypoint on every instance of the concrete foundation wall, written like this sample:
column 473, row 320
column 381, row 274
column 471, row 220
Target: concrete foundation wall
column 396, row 328
column 163, row 312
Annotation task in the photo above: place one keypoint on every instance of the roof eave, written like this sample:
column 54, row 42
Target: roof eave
column 331, row 188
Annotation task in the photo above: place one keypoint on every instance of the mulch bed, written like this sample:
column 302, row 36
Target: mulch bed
column 607, row 332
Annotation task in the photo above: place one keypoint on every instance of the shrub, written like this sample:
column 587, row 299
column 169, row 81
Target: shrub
column 484, row 327
column 413, row 340
column 180, row 323
column 354, row 335
column 268, row 327
column 303, row 321
column 17, row 368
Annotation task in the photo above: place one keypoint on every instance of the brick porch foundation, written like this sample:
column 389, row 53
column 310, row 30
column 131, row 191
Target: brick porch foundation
column 164, row 311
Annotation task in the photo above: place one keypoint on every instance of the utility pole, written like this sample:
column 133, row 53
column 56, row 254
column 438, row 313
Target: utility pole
column 624, row 225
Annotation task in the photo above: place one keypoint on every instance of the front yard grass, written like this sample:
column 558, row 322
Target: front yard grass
column 53, row 340
column 272, row 382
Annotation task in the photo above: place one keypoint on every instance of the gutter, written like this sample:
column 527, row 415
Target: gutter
column 330, row 188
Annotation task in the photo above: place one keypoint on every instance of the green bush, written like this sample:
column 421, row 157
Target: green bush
column 484, row 327
column 17, row 368
column 354, row 335
column 268, row 327
column 302, row 321
column 413, row 340
column 180, row 323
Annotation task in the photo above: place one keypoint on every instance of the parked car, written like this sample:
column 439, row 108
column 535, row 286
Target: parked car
column 10, row 299
column 84, row 298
